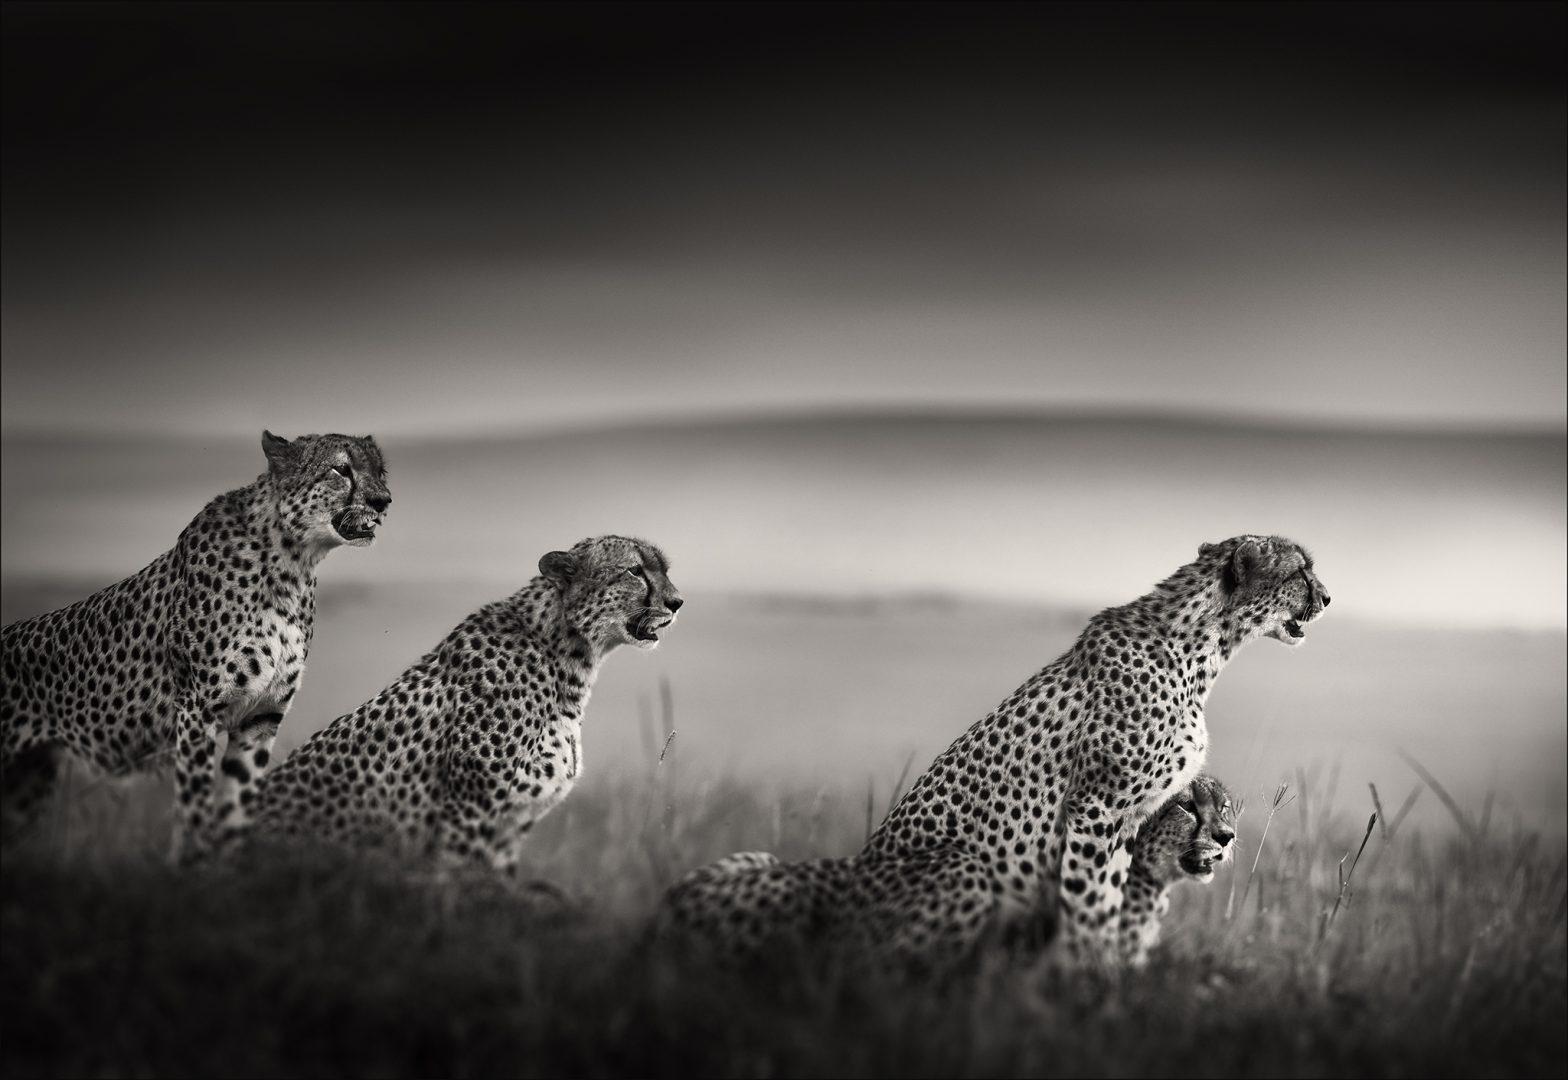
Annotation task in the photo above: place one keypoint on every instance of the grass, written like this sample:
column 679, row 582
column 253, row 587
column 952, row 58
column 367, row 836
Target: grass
column 1331, row 948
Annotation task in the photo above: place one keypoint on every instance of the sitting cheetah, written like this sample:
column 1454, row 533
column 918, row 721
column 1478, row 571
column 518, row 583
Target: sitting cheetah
column 209, row 638
column 1028, row 816
column 481, row 737
column 1184, row 840
column 750, row 900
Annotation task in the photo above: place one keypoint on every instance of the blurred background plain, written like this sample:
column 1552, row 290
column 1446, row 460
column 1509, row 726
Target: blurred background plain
column 914, row 335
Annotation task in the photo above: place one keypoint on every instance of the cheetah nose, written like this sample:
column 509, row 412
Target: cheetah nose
column 1223, row 836
column 1327, row 599
column 674, row 604
column 379, row 503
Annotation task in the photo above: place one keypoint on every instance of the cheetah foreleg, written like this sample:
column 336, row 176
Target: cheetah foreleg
column 195, row 748
column 1095, row 864
column 244, row 760
column 1144, row 904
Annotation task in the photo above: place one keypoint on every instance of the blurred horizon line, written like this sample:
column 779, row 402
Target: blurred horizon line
column 1280, row 423
column 863, row 603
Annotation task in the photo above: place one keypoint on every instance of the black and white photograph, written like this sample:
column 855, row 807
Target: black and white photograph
column 784, row 540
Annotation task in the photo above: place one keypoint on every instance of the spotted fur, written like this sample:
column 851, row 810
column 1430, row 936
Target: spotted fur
column 209, row 639
column 478, row 740
column 749, row 902
column 1025, row 821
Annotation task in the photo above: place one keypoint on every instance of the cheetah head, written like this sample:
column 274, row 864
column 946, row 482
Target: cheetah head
column 616, row 589
column 1268, row 583
column 331, row 490
column 1191, row 834
column 1214, row 812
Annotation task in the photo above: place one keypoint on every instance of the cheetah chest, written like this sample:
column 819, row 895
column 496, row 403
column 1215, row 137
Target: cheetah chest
column 281, row 646
column 550, row 776
column 1191, row 748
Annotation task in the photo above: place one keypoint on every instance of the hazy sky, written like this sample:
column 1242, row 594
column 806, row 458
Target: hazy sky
column 440, row 220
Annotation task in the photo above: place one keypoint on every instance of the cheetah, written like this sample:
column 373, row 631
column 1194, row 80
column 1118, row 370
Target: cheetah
column 210, row 638
column 479, row 739
column 750, row 900
column 737, row 907
column 1025, row 822
column 1183, row 841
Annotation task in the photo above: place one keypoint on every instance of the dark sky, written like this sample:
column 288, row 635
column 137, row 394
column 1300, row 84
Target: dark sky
column 434, row 218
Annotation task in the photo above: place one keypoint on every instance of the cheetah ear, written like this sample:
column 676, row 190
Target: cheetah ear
column 1207, row 549
column 1243, row 566
column 279, row 451
column 559, row 566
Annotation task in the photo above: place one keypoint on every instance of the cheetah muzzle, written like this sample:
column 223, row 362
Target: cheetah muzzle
column 355, row 524
column 648, row 625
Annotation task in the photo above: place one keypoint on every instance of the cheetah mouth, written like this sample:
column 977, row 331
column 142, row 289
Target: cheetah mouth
column 644, row 629
column 1292, row 631
column 351, row 524
column 1202, row 869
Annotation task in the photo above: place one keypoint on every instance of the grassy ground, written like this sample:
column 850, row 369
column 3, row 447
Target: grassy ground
column 1446, row 957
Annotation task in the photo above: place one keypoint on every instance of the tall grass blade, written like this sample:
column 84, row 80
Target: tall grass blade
column 1377, row 812
column 666, row 703
column 1345, row 877
column 1331, row 788
column 1485, row 823
column 1441, row 792
column 1303, row 799
column 1277, row 801
column 645, row 724
column 898, row 785
column 1404, row 809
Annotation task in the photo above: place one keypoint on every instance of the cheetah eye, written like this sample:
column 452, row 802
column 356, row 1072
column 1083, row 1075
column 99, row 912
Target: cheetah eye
column 634, row 571
column 344, row 471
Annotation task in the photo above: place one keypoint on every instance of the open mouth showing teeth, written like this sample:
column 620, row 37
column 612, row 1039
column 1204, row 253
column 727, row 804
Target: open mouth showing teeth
column 643, row 631
column 351, row 527
column 1293, row 628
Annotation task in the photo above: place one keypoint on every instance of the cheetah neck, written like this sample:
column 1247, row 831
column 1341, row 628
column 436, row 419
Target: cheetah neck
column 539, row 615
column 1188, row 613
column 286, row 568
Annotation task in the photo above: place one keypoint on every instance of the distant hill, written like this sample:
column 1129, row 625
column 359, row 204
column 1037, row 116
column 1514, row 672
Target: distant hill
column 1074, row 510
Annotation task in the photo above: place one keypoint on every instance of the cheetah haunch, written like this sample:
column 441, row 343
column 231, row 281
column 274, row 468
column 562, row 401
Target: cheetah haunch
column 209, row 638
column 482, row 736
